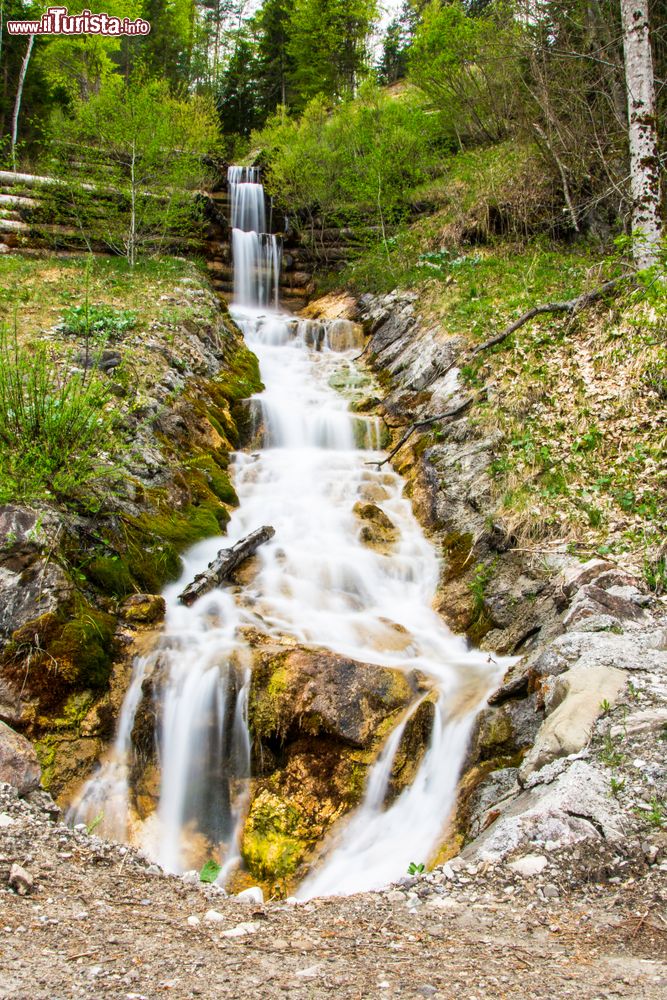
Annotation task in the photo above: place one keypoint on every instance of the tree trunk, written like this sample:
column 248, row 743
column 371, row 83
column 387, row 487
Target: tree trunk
column 225, row 563
column 19, row 95
column 644, row 162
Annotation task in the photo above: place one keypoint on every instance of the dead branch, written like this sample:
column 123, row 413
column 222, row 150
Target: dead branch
column 426, row 421
column 571, row 306
column 225, row 563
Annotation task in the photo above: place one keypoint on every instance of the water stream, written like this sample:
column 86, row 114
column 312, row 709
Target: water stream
column 316, row 581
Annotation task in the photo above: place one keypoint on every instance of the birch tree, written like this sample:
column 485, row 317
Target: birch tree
column 642, row 132
column 19, row 96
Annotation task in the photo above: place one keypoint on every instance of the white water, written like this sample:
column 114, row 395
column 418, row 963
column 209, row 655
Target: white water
column 256, row 254
column 318, row 582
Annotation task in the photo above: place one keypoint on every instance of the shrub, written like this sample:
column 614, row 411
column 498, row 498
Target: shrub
column 53, row 425
column 104, row 322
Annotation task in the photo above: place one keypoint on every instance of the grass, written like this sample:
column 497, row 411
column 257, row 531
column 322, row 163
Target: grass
column 54, row 425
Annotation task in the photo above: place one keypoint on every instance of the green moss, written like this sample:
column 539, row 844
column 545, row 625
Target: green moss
column 272, row 848
column 217, row 479
column 46, row 755
column 85, row 644
column 240, row 378
column 265, row 710
column 111, row 575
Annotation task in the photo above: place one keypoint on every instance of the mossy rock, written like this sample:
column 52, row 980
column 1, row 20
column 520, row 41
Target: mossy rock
column 271, row 846
column 318, row 693
column 143, row 609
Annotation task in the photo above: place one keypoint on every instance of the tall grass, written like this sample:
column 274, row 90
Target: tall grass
column 53, row 425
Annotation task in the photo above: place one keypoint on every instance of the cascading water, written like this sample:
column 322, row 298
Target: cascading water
column 315, row 581
column 256, row 254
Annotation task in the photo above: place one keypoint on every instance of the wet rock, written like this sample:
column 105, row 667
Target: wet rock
column 378, row 530
column 19, row 765
column 20, row 880
column 576, row 704
column 320, row 693
column 506, row 730
column 143, row 609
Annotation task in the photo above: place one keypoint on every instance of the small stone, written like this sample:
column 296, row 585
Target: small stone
column 213, row 917
column 241, row 930
column 252, row 895
column 6, row 820
column 153, row 870
column 529, row 865
column 190, row 877
column 194, row 921
column 551, row 891
column 20, row 880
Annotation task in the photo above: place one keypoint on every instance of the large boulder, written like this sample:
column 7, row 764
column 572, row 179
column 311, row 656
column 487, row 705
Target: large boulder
column 578, row 699
column 319, row 721
column 18, row 761
column 317, row 693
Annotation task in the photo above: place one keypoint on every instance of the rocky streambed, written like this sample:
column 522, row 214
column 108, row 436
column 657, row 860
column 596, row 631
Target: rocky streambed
column 565, row 773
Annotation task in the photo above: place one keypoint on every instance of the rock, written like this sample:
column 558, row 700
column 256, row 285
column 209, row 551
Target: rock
column 193, row 921
column 191, row 877
column 591, row 600
column 213, row 917
column 20, row 880
column 144, row 609
column 496, row 787
column 551, row 891
column 336, row 305
column 241, row 930
column 659, row 639
column 578, row 575
column 378, row 531
column 252, row 895
column 641, row 722
column 506, row 730
column 321, row 693
column 568, row 729
column 565, row 805
column 19, row 765
column 529, row 865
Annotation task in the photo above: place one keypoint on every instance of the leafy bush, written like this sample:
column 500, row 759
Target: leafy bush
column 98, row 321
column 355, row 163
column 53, row 425
column 468, row 67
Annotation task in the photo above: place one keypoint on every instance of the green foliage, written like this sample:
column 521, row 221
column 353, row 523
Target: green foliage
column 356, row 163
column 328, row 45
column 144, row 153
column 101, row 322
column 416, row 869
column 209, row 871
column 468, row 68
column 53, row 426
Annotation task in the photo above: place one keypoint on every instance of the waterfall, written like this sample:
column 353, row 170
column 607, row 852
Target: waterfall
column 256, row 254
column 316, row 582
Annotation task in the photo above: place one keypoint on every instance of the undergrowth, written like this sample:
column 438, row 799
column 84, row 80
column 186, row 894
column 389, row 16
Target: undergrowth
column 54, row 425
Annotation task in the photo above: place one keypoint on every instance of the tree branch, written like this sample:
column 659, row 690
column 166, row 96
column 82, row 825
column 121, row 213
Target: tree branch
column 426, row 421
column 571, row 306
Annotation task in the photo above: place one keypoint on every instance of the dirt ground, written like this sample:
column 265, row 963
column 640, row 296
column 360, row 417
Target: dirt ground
column 99, row 921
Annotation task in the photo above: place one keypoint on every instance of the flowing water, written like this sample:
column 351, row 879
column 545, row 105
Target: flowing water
column 316, row 581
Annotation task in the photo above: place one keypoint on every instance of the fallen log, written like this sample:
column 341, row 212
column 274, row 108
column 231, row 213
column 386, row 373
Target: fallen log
column 224, row 564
